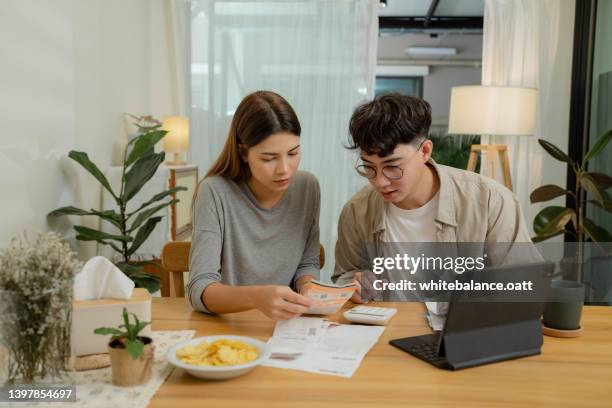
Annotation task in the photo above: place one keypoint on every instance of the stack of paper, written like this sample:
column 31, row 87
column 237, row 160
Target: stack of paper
column 319, row 346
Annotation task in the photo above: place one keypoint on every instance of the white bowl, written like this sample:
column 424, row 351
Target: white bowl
column 219, row 372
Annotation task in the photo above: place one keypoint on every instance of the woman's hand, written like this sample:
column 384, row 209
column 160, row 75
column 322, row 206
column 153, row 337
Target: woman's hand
column 280, row 302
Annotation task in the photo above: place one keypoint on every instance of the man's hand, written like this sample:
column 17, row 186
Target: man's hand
column 365, row 287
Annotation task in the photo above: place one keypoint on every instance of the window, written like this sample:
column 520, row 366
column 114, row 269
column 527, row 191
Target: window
column 412, row 86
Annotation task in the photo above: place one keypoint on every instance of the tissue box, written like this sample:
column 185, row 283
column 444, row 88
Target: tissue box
column 88, row 315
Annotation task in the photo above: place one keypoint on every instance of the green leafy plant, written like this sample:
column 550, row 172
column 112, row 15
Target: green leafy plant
column 453, row 151
column 139, row 165
column 128, row 337
column 553, row 220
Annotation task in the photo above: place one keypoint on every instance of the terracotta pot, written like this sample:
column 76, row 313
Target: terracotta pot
column 127, row 371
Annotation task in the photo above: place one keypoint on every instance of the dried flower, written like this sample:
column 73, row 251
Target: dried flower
column 36, row 281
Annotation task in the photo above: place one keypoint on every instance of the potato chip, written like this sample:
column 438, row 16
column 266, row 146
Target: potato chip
column 223, row 352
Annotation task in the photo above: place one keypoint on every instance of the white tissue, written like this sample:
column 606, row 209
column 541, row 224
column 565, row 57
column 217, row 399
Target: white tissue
column 101, row 279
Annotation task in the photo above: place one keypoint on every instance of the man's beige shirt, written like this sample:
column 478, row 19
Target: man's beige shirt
column 472, row 208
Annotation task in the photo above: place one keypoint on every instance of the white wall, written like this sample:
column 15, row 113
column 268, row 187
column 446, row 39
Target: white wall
column 437, row 85
column 69, row 70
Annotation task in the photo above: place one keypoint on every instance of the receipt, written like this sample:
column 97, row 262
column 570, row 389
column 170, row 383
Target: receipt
column 319, row 346
column 327, row 298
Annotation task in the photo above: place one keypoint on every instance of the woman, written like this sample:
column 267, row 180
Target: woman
column 256, row 218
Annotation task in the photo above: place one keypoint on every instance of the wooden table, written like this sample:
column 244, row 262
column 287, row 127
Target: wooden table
column 569, row 372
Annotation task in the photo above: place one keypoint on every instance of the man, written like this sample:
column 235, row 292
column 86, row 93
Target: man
column 410, row 197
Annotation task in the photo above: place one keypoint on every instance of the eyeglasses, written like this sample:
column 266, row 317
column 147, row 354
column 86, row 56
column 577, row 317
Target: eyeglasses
column 390, row 172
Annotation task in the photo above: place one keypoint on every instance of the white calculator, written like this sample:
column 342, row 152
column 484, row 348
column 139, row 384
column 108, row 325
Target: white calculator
column 370, row 315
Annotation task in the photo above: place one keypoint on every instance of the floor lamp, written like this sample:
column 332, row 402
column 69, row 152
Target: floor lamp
column 492, row 111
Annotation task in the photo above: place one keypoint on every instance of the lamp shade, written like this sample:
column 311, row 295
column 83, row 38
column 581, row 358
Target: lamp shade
column 177, row 139
column 492, row 110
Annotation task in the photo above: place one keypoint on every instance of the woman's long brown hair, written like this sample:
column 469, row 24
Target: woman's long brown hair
column 259, row 115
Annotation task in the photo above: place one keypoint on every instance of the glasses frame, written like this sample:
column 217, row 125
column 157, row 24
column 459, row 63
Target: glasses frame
column 372, row 168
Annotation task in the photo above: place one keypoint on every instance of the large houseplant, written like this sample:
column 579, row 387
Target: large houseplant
column 553, row 220
column 140, row 163
column 564, row 311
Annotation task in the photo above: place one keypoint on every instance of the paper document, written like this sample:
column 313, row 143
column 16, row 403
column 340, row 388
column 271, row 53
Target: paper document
column 327, row 297
column 319, row 346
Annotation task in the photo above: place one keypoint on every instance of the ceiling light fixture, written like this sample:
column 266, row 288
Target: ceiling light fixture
column 431, row 51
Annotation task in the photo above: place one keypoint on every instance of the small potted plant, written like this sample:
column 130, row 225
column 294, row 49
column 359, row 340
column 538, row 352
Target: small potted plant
column 131, row 355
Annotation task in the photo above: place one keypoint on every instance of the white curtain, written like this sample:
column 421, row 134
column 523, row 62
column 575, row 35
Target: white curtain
column 176, row 20
column 528, row 43
column 320, row 55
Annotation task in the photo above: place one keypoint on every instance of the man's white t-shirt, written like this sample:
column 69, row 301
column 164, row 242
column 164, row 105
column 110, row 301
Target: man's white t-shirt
column 416, row 225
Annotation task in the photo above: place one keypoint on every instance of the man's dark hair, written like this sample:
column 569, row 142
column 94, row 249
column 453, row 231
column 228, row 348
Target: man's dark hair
column 377, row 127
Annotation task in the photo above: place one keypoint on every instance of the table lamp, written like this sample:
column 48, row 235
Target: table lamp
column 491, row 111
column 177, row 139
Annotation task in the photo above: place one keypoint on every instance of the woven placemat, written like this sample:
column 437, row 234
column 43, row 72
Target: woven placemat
column 91, row 362
column 94, row 388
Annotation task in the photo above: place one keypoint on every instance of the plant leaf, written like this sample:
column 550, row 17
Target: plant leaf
column 150, row 285
column 108, row 215
column 136, row 324
column 547, row 192
column 555, row 152
column 143, row 233
column 158, row 197
column 143, row 143
column 589, row 185
column 602, row 181
column 107, row 331
column 540, row 238
column 134, row 270
column 83, row 160
column 601, row 143
column 128, row 267
column 134, row 348
column 70, row 210
column 89, row 234
column 143, row 216
column 597, row 233
column 127, row 325
column 140, row 173
column 141, row 325
column 112, row 245
column 607, row 205
column 146, row 280
column 551, row 219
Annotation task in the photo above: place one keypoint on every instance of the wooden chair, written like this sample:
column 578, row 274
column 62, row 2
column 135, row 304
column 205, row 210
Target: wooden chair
column 175, row 260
